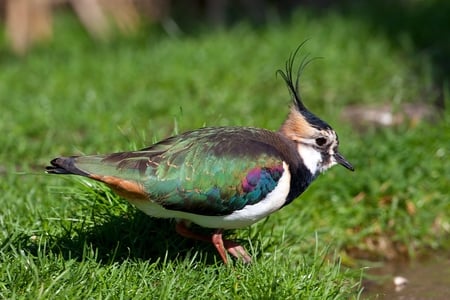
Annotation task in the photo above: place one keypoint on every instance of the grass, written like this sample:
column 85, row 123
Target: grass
column 69, row 238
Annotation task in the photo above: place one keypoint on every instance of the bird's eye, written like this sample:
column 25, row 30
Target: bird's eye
column 321, row 141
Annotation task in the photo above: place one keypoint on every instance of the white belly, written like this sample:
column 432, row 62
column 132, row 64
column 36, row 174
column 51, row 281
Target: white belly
column 237, row 219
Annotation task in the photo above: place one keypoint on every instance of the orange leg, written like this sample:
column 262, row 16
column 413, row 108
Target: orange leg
column 217, row 241
column 221, row 245
column 184, row 231
column 232, row 247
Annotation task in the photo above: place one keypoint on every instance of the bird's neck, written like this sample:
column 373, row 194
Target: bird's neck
column 301, row 178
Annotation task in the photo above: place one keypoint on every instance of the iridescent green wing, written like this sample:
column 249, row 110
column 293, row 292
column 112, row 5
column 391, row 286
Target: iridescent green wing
column 212, row 171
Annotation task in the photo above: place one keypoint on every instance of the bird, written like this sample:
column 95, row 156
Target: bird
column 220, row 177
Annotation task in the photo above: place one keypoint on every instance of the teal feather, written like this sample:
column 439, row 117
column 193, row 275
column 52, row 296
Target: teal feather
column 212, row 171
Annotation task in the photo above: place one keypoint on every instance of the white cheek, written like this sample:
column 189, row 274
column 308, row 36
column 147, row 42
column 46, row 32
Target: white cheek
column 311, row 157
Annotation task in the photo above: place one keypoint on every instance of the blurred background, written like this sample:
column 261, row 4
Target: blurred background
column 99, row 76
column 421, row 24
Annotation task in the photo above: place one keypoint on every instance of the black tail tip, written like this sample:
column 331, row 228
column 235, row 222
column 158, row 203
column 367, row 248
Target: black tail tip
column 64, row 165
column 57, row 166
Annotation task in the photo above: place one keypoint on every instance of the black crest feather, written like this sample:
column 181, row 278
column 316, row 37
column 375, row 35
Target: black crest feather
column 294, row 86
column 288, row 75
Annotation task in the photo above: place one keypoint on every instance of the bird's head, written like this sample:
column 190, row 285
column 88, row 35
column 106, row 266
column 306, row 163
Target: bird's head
column 317, row 143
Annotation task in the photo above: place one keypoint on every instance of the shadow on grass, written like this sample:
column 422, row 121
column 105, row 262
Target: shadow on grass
column 119, row 238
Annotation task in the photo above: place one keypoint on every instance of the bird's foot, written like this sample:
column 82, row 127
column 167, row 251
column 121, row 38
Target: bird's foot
column 232, row 247
column 221, row 245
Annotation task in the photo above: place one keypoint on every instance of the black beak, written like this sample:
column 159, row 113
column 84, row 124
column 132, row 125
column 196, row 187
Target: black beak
column 342, row 161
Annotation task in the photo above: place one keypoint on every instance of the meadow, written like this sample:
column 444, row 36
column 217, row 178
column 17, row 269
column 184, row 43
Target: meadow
column 65, row 237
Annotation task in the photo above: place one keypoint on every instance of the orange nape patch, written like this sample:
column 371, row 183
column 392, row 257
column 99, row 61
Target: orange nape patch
column 124, row 188
column 296, row 126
